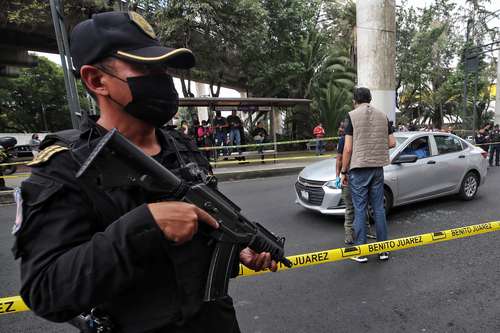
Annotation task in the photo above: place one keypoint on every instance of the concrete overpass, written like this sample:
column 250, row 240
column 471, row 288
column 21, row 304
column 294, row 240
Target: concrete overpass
column 27, row 25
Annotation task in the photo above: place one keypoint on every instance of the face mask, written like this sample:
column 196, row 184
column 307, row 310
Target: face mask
column 154, row 98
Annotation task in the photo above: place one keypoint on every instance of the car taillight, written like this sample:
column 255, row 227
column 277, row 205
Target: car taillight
column 484, row 154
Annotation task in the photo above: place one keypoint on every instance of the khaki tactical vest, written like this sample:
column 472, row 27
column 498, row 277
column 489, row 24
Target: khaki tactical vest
column 370, row 137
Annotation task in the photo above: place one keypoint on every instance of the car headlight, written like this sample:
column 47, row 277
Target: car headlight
column 332, row 184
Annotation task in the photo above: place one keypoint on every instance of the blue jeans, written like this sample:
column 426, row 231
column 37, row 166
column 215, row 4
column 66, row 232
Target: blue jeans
column 494, row 150
column 368, row 184
column 319, row 146
column 220, row 140
column 260, row 149
column 235, row 138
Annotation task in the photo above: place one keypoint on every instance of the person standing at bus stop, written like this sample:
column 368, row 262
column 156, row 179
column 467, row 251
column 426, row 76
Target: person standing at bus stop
column 319, row 133
column 366, row 152
column 220, row 126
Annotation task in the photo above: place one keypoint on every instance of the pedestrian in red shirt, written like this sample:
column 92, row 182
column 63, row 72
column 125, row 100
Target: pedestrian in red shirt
column 319, row 133
column 204, row 136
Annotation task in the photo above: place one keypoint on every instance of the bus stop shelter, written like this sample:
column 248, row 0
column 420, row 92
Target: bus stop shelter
column 251, row 104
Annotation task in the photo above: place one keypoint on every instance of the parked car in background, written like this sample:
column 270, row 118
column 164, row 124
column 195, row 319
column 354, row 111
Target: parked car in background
column 424, row 165
column 24, row 151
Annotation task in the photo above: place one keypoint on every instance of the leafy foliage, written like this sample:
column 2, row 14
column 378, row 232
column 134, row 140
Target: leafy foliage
column 430, row 83
column 35, row 101
column 286, row 48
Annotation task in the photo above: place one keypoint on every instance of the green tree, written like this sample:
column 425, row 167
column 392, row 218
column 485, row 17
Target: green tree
column 35, row 101
column 427, row 45
column 219, row 32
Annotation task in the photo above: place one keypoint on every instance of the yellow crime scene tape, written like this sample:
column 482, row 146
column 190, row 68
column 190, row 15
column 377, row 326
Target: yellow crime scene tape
column 13, row 163
column 277, row 143
column 15, row 304
column 323, row 257
column 12, row 305
column 273, row 159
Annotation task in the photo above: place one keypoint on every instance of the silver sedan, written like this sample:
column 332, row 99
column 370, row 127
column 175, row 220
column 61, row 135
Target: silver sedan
column 424, row 165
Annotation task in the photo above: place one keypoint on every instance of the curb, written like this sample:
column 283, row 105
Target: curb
column 228, row 176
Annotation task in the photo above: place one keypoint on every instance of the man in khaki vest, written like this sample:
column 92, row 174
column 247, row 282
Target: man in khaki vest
column 366, row 152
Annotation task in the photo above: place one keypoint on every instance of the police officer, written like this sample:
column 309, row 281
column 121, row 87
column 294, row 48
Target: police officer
column 480, row 138
column 139, row 263
column 494, row 138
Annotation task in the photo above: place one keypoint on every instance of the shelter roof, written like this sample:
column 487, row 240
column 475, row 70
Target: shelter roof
column 241, row 102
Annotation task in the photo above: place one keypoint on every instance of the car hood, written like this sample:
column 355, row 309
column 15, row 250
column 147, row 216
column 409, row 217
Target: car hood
column 321, row 171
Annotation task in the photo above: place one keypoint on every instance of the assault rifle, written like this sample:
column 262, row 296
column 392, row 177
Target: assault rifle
column 116, row 162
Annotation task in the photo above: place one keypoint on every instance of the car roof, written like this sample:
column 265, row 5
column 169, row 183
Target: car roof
column 415, row 133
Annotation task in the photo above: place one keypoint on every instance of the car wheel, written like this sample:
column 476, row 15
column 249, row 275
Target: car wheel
column 9, row 170
column 469, row 187
column 387, row 205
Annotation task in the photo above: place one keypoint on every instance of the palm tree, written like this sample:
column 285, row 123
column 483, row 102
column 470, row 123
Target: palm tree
column 333, row 105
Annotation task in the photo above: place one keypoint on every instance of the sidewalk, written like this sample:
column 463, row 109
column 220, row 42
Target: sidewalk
column 269, row 169
column 224, row 172
column 287, row 163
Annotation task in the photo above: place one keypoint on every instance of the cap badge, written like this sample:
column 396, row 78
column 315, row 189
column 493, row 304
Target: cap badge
column 142, row 23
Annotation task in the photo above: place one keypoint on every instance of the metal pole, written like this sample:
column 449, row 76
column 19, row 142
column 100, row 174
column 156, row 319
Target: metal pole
column 466, row 74
column 67, row 65
column 273, row 127
column 474, row 112
column 497, row 100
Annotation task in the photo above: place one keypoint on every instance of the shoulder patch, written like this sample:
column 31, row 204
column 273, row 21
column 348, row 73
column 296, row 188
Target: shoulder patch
column 46, row 154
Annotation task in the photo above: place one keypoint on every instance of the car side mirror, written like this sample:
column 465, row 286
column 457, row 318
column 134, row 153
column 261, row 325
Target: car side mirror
column 405, row 158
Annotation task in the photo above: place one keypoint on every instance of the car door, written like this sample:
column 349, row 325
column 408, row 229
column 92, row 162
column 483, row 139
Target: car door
column 416, row 180
column 451, row 161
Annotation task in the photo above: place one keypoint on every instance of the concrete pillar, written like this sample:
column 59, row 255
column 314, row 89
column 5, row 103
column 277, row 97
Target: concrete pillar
column 376, row 50
column 497, row 101
column 17, row 57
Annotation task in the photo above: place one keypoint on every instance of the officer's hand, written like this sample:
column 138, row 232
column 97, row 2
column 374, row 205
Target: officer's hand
column 179, row 220
column 257, row 261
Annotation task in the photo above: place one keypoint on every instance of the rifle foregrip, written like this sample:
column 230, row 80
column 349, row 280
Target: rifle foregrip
column 265, row 241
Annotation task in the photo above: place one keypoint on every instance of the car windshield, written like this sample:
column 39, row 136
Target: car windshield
column 399, row 141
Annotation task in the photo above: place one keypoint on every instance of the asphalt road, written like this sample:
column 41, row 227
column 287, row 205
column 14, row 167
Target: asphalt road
column 446, row 287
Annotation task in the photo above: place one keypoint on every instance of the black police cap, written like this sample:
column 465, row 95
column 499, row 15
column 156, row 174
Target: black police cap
column 125, row 35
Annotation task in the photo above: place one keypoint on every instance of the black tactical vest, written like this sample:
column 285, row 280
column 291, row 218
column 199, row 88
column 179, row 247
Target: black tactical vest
column 190, row 262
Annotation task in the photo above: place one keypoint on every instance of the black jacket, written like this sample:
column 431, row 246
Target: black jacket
column 74, row 257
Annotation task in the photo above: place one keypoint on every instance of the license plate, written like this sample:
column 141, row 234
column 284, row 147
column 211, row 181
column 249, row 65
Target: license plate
column 305, row 195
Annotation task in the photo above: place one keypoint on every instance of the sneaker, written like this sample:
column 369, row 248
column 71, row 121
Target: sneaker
column 383, row 256
column 371, row 236
column 359, row 259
